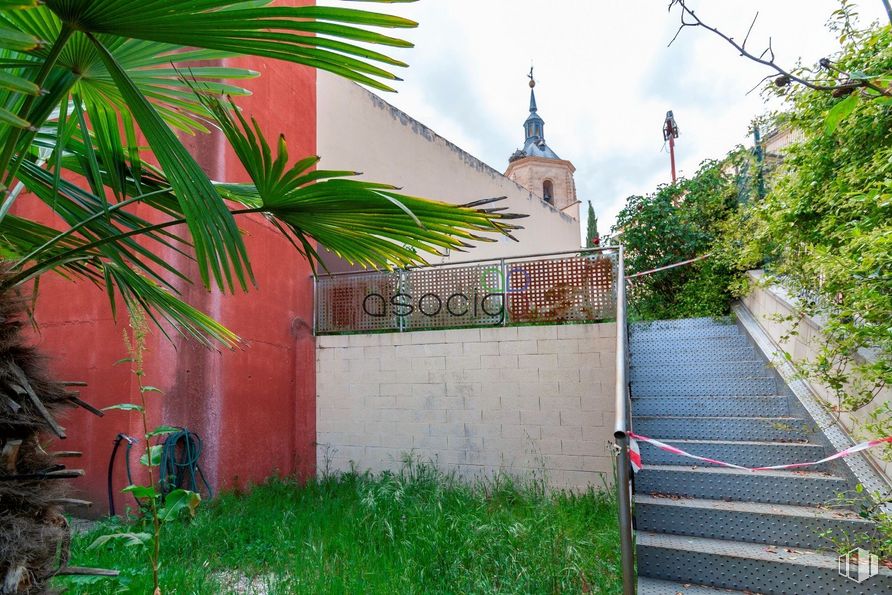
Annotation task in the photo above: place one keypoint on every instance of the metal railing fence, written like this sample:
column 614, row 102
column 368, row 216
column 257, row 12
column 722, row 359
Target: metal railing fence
column 560, row 287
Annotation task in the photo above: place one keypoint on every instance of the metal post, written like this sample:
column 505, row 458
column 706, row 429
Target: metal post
column 503, row 271
column 400, row 285
column 672, row 156
column 621, row 434
column 315, row 305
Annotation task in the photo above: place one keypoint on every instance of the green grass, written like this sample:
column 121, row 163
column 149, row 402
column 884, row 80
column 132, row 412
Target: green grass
column 417, row 531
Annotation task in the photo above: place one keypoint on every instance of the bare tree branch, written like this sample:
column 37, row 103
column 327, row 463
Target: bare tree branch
column 767, row 58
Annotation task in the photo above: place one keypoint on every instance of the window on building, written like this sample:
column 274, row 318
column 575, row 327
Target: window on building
column 548, row 192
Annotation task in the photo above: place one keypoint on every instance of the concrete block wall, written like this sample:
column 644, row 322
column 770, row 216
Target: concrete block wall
column 528, row 400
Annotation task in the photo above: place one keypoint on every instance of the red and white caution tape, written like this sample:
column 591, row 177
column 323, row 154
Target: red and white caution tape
column 637, row 465
column 634, row 455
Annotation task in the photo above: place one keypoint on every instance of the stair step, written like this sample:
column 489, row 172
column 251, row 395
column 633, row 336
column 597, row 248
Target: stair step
column 751, row 567
column 682, row 323
column 698, row 344
column 714, row 406
column 652, row 586
column 799, row 488
column 747, row 368
column 691, row 354
column 745, row 453
column 785, row 525
column 640, row 333
column 719, row 387
column 763, row 429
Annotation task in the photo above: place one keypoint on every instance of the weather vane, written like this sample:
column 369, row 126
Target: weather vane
column 530, row 76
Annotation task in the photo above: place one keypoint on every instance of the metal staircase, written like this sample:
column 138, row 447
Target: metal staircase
column 701, row 386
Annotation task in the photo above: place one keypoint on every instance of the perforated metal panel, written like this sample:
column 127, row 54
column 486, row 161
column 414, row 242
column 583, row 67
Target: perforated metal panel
column 355, row 302
column 722, row 428
column 740, row 486
column 717, row 406
column 573, row 288
column 452, row 296
column 650, row 334
column 671, row 357
column 791, row 526
column 683, row 343
column 704, row 386
column 750, row 567
column 561, row 290
column 690, row 370
column 748, row 454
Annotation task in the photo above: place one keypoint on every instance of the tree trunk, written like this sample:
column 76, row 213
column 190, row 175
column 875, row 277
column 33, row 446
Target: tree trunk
column 34, row 535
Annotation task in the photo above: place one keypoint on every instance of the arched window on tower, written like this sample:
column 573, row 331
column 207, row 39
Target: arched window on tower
column 548, row 192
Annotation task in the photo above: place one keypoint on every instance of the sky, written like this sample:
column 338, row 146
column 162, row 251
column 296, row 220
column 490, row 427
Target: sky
column 605, row 79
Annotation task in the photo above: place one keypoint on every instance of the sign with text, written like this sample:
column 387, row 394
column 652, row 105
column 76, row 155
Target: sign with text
column 576, row 288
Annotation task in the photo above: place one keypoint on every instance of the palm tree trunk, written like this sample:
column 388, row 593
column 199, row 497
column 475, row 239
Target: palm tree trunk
column 34, row 533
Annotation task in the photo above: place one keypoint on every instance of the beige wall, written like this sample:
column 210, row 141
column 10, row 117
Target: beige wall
column 359, row 131
column 525, row 400
column 768, row 306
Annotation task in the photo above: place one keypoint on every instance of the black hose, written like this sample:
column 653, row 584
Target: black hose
column 179, row 468
column 111, row 466
column 176, row 471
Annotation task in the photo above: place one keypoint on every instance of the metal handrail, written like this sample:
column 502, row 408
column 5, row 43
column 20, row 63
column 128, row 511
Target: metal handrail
column 621, row 433
column 476, row 261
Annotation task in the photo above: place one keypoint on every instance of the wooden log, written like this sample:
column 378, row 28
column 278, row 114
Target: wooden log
column 71, row 502
column 10, row 454
column 63, row 474
column 25, row 386
column 81, row 571
column 81, row 403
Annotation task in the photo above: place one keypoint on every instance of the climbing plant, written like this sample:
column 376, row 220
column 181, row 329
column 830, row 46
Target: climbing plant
column 824, row 229
column 679, row 222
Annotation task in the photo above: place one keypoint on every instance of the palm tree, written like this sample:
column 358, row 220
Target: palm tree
column 92, row 96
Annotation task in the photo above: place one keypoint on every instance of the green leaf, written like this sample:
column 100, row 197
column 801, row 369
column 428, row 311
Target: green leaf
column 123, row 407
column 129, row 539
column 17, row 84
column 152, row 458
column 840, row 112
column 162, row 430
column 140, row 491
column 320, row 37
column 176, row 502
column 13, row 39
column 218, row 244
column 10, row 119
column 150, row 389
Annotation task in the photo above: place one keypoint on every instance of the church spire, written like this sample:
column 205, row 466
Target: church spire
column 534, row 131
column 534, row 125
column 532, row 92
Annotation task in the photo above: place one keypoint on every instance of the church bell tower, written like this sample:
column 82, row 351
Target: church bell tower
column 538, row 169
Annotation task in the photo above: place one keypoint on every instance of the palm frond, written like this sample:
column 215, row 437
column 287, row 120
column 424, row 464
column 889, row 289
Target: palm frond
column 366, row 223
column 321, row 37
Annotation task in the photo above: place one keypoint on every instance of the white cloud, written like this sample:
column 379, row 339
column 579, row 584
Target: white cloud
column 605, row 79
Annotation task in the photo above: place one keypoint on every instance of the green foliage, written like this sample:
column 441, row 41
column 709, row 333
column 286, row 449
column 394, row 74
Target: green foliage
column 591, row 233
column 679, row 222
column 825, row 228
column 415, row 531
column 86, row 86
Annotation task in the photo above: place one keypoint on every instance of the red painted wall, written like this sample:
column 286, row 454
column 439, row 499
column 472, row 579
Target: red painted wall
column 254, row 408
